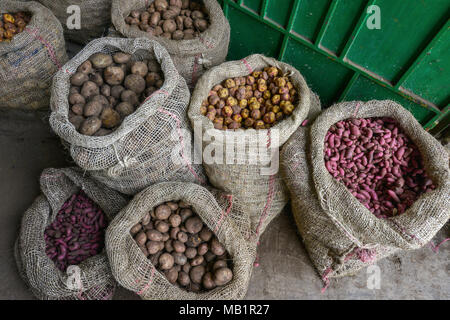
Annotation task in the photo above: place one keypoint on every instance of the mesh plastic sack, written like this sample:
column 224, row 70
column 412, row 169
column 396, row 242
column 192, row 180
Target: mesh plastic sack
column 260, row 190
column 135, row 272
column 340, row 234
column 152, row 145
column 191, row 57
column 29, row 61
column 39, row 272
column 95, row 16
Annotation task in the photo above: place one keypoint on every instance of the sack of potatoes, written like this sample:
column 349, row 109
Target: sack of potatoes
column 196, row 33
column 181, row 241
column 120, row 108
column 32, row 50
column 247, row 110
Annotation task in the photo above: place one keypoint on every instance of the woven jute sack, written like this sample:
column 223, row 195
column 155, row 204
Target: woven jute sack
column 191, row 57
column 29, row 61
column 340, row 234
column 151, row 145
column 240, row 165
column 95, row 17
column 134, row 271
column 39, row 272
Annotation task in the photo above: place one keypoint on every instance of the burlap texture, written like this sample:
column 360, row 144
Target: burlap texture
column 341, row 235
column 152, row 145
column 95, row 17
column 39, row 272
column 29, row 61
column 191, row 57
column 135, row 272
column 262, row 196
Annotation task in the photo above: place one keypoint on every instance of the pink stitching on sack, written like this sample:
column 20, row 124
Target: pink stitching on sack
column 356, row 110
column 224, row 214
column 206, row 43
column 326, row 280
column 47, row 45
column 148, row 284
column 436, row 248
column 247, row 65
column 182, row 144
column 271, row 190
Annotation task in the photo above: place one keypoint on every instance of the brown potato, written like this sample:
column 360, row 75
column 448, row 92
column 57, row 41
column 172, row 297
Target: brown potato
column 96, row 78
column 141, row 238
column 125, row 109
column 193, row 241
column 93, row 108
column 168, row 246
column 183, row 279
column 114, row 75
column 172, row 275
column 161, row 5
column 130, row 97
column 185, row 213
column 78, row 109
column 110, row 118
column 182, row 236
column 201, row 24
column 216, row 247
column 196, row 274
column 175, row 220
column 78, row 79
column 121, row 58
column 89, row 89
column 205, row 234
column 179, row 258
column 219, row 264
column 135, row 83
column 105, row 90
column 198, row 260
column 136, row 228
column 194, row 224
column 163, row 212
column 179, row 246
column 166, row 261
column 140, row 68
column 154, row 235
column 101, row 60
column 223, row 276
column 208, row 282
column 76, row 121
column 76, row 98
column 178, row 35
column 90, row 126
column 85, row 67
column 116, row 91
column 169, row 26
column 191, row 253
column 153, row 247
column 162, row 226
column 202, row 249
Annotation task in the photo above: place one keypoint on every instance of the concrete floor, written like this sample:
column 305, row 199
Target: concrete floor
column 27, row 146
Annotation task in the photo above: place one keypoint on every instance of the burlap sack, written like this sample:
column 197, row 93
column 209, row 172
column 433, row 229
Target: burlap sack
column 39, row 272
column 340, row 234
column 191, row 57
column 29, row 61
column 95, row 17
column 135, row 272
column 261, row 192
column 151, row 145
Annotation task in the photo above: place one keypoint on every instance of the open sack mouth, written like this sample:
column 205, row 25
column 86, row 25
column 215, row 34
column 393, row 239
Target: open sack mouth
column 378, row 163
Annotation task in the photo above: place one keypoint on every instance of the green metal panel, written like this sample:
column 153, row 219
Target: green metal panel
column 407, row 60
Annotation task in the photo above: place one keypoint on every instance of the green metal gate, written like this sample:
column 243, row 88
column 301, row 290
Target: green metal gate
column 330, row 43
